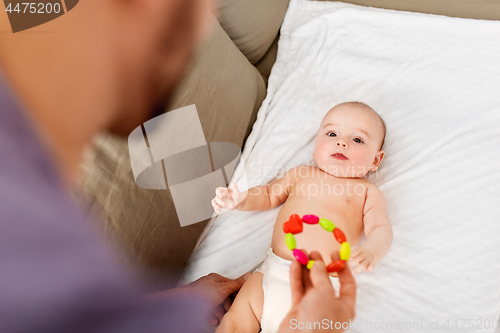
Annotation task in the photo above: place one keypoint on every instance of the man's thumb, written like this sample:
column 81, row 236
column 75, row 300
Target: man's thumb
column 235, row 285
column 318, row 274
column 243, row 278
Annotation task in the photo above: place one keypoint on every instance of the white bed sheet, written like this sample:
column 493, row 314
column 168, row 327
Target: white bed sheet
column 436, row 82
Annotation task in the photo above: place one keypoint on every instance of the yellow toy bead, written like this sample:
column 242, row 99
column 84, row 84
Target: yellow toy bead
column 345, row 251
column 310, row 264
column 327, row 224
column 290, row 241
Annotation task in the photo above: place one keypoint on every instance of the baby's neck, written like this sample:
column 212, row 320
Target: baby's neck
column 340, row 177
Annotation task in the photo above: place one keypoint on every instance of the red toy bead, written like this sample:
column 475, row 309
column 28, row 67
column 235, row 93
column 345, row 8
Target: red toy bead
column 335, row 266
column 294, row 225
column 310, row 219
column 300, row 256
column 339, row 235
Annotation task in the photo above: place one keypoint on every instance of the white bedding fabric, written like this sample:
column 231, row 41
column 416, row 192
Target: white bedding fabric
column 436, row 82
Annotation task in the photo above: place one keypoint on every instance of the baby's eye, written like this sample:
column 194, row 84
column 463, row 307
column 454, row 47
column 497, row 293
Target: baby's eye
column 331, row 134
column 357, row 140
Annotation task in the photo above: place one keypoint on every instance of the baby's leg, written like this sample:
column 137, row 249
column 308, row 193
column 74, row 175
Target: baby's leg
column 246, row 311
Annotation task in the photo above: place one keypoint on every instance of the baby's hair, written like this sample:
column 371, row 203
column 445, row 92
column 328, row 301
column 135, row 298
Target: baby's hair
column 383, row 122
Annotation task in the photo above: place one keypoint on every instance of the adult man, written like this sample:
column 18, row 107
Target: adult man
column 105, row 66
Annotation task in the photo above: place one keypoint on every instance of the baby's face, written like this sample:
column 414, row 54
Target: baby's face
column 348, row 141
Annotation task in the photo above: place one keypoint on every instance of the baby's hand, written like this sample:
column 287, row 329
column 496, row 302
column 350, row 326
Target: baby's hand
column 227, row 198
column 363, row 257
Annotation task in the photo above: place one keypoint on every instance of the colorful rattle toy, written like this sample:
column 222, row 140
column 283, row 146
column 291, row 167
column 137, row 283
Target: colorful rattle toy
column 294, row 226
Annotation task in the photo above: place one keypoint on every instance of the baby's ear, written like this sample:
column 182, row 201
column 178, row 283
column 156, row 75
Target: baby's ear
column 377, row 160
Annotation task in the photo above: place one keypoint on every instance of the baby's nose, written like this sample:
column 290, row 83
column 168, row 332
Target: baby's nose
column 343, row 144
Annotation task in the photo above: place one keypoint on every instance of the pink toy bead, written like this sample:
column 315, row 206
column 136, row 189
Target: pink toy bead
column 310, row 219
column 300, row 256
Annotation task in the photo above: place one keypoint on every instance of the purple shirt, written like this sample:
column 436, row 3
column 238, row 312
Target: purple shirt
column 55, row 273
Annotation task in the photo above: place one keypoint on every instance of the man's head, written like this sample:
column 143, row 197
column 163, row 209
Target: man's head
column 118, row 59
column 158, row 39
column 349, row 141
column 105, row 65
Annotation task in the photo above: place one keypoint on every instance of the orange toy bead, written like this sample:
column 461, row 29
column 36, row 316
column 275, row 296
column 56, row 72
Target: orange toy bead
column 294, row 225
column 339, row 235
column 335, row 266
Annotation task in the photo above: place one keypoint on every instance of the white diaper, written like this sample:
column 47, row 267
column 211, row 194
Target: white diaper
column 277, row 292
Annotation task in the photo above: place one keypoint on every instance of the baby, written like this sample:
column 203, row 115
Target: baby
column 348, row 145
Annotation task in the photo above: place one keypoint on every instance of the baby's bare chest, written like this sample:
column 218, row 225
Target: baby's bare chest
column 344, row 196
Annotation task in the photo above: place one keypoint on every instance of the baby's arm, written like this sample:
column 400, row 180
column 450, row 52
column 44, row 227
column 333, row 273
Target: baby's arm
column 262, row 197
column 378, row 232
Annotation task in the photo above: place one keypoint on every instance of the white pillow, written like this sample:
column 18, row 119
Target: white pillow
column 436, row 82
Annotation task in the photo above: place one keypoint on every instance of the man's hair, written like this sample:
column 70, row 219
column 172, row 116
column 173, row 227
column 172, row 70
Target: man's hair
column 382, row 120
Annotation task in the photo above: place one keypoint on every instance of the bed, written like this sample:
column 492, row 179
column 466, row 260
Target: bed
column 435, row 80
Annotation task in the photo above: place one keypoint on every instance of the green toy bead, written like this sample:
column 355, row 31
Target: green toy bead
column 310, row 264
column 290, row 241
column 327, row 225
column 345, row 251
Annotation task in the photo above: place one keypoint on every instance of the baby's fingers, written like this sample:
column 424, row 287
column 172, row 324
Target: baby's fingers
column 219, row 201
column 221, row 192
column 356, row 250
column 352, row 263
column 215, row 205
column 361, row 267
column 234, row 189
column 354, row 260
column 234, row 194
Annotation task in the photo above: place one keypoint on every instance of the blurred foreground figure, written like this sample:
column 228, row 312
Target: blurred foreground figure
column 103, row 66
column 106, row 65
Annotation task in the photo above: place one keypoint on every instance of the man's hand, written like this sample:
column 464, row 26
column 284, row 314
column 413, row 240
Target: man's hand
column 227, row 198
column 363, row 258
column 220, row 291
column 313, row 296
column 217, row 289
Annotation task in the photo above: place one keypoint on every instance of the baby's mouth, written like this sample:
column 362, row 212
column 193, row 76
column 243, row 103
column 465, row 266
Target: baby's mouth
column 339, row 156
